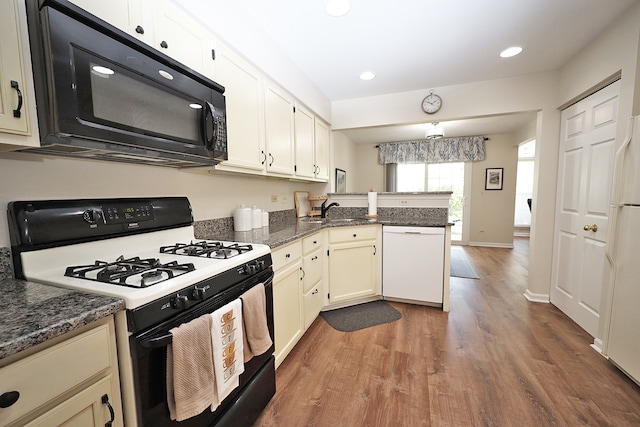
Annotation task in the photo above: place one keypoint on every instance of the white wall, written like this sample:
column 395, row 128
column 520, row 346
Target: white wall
column 492, row 211
column 31, row 176
column 343, row 157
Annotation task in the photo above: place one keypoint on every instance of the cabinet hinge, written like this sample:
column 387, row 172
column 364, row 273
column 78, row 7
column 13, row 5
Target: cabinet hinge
column 295, row 168
column 327, row 252
column 294, row 109
column 213, row 54
column 328, row 296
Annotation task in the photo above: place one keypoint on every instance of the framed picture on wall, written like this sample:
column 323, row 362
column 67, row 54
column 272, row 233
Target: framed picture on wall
column 341, row 181
column 493, row 179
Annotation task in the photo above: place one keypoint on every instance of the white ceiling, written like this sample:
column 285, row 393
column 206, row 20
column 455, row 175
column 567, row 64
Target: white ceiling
column 420, row 44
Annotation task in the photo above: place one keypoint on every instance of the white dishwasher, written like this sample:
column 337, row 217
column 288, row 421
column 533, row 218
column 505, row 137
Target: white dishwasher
column 413, row 264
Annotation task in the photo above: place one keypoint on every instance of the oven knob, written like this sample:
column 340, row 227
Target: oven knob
column 199, row 293
column 250, row 269
column 260, row 264
column 180, row 302
column 91, row 216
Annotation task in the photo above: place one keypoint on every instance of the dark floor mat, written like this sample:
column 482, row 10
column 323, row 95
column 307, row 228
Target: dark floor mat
column 361, row 316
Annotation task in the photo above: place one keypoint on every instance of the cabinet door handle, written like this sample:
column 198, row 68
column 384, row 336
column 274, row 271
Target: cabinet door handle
column 9, row 398
column 139, row 29
column 264, row 160
column 272, row 159
column 375, row 250
column 16, row 112
column 315, row 291
column 164, row 44
column 303, row 273
column 105, row 401
column 313, row 258
column 287, row 255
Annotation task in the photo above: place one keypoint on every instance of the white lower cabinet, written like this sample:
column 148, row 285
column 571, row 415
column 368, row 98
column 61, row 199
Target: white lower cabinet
column 354, row 263
column 287, row 298
column 313, row 267
column 73, row 381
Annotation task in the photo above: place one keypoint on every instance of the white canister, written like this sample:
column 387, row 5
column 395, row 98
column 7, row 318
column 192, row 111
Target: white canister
column 265, row 219
column 242, row 219
column 256, row 222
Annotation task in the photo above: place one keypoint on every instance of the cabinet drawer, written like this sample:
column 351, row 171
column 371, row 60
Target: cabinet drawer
column 312, row 305
column 350, row 234
column 285, row 255
column 311, row 243
column 312, row 265
column 43, row 376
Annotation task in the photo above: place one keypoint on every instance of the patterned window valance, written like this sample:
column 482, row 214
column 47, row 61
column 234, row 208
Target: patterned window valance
column 439, row 150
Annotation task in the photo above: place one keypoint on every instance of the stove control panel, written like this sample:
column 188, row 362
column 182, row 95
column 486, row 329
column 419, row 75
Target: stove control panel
column 127, row 213
column 252, row 267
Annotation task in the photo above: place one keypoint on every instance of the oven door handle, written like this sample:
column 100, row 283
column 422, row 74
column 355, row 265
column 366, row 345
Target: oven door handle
column 157, row 342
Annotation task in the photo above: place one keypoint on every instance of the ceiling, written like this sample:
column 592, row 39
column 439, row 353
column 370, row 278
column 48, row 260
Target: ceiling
column 420, row 44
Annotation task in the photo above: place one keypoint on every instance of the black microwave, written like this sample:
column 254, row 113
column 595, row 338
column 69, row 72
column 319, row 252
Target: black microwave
column 102, row 94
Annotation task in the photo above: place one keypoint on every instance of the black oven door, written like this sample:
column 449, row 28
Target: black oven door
column 246, row 402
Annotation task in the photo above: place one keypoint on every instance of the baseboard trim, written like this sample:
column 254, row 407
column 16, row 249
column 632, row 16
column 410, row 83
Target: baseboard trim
column 522, row 234
column 597, row 346
column 533, row 297
column 492, row 245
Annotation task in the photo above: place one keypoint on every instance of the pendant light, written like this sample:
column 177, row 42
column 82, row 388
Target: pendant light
column 435, row 131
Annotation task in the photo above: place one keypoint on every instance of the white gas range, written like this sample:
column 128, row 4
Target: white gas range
column 143, row 250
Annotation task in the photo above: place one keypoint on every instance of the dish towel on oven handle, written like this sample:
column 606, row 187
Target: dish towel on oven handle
column 227, row 343
column 254, row 314
column 190, row 375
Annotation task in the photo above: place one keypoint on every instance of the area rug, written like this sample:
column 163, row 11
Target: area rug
column 361, row 316
column 460, row 265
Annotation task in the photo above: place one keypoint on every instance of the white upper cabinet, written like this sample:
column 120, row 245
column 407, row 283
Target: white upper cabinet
column 312, row 146
column 134, row 17
column 321, row 144
column 162, row 25
column 14, row 114
column 177, row 35
column 279, row 127
column 245, row 114
column 304, row 138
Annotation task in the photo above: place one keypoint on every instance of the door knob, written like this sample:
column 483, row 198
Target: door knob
column 593, row 228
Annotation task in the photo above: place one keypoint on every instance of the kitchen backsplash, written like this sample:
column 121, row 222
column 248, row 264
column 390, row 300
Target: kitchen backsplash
column 224, row 226
column 6, row 266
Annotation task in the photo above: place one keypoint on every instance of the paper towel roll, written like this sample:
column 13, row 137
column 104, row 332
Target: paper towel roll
column 373, row 203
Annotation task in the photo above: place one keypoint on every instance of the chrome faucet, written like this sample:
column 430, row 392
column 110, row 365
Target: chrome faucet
column 324, row 209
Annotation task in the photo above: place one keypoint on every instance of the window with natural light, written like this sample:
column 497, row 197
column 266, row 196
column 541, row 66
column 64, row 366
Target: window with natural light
column 524, row 183
column 436, row 177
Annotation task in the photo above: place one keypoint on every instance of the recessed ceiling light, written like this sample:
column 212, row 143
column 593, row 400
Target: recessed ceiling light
column 510, row 51
column 338, row 8
column 367, row 75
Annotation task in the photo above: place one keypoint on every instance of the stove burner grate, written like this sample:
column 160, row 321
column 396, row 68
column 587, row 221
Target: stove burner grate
column 133, row 272
column 215, row 250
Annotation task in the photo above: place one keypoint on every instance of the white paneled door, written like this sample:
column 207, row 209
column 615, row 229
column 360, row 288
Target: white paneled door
column 585, row 173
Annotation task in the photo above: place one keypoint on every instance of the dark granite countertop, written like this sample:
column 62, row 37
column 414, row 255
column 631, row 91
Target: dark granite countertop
column 287, row 232
column 34, row 313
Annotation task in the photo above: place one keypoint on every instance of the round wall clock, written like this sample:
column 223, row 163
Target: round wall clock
column 431, row 103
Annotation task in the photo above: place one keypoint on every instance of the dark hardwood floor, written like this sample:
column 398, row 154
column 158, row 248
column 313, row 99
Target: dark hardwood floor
column 494, row 360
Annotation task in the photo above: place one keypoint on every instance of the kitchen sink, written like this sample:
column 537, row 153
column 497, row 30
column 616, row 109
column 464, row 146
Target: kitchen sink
column 312, row 220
